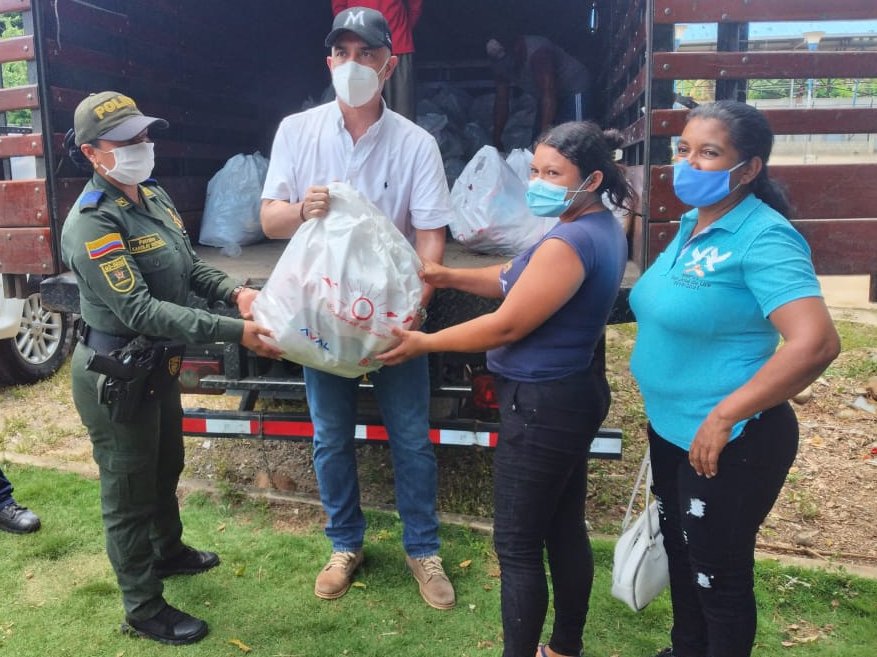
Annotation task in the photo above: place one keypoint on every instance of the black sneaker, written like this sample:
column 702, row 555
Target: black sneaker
column 170, row 626
column 188, row 561
column 18, row 519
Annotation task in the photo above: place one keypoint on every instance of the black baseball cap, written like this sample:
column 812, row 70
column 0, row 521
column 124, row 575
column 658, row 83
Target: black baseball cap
column 368, row 24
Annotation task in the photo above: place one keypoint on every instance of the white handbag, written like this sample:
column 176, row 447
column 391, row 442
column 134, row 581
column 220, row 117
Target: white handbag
column 639, row 568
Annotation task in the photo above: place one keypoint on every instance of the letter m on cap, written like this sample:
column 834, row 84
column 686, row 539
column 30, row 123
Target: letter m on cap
column 355, row 18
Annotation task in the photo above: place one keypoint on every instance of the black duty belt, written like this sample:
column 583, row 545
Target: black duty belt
column 103, row 343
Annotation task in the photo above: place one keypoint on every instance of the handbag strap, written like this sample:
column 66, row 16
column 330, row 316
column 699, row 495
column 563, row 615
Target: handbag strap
column 645, row 474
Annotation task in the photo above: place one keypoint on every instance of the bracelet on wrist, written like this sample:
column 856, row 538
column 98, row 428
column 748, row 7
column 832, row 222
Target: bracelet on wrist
column 235, row 293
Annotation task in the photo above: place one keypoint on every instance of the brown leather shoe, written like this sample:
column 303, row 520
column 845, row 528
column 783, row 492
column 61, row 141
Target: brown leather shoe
column 337, row 575
column 435, row 587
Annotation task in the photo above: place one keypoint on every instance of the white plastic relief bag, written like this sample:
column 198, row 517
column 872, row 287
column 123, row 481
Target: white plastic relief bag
column 340, row 286
column 490, row 207
column 231, row 209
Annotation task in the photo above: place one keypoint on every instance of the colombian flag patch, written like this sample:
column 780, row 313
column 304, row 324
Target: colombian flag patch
column 104, row 245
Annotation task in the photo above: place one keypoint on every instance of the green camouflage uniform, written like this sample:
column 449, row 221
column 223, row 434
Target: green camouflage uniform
column 135, row 267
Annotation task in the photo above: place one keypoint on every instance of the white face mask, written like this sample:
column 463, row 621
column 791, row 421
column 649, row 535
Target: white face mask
column 356, row 84
column 134, row 163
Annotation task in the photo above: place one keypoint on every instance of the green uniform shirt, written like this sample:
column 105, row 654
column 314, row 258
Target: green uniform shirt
column 135, row 267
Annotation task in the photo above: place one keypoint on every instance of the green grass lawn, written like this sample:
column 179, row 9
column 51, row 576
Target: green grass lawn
column 59, row 595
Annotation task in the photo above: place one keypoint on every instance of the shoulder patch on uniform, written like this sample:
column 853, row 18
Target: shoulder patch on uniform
column 90, row 199
column 147, row 193
column 103, row 245
column 118, row 274
column 122, row 202
column 144, row 243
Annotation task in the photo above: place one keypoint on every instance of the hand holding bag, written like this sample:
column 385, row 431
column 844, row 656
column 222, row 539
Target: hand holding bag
column 341, row 286
column 639, row 568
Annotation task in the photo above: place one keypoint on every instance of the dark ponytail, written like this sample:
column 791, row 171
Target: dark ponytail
column 590, row 148
column 752, row 137
column 74, row 153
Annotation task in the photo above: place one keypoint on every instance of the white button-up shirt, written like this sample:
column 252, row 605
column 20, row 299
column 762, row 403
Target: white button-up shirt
column 396, row 164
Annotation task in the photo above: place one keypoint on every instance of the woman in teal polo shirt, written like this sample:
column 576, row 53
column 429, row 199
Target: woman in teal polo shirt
column 710, row 312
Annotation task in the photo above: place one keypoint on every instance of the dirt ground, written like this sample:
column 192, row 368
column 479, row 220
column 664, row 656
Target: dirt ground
column 825, row 511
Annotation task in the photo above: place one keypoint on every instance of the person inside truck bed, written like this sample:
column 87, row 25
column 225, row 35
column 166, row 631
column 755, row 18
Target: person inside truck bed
column 560, row 83
column 551, row 384
column 402, row 17
column 15, row 518
column 396, row 165
column 710, row 312
column 134, row 264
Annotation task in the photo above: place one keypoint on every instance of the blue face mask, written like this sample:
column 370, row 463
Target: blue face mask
column 546, row 199
column 699, row 188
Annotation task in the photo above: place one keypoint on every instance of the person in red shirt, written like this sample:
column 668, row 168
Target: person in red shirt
column 401, row 16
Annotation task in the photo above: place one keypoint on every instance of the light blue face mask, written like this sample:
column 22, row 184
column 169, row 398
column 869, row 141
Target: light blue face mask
column 546, row 199
column 699, row 188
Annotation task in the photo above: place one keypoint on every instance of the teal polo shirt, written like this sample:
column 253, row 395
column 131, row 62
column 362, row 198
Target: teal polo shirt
column 702, row 313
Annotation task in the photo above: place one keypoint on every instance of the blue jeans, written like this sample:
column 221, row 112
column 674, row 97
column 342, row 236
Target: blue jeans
column 402, row 392
column 5, row 491
column 540, row 471
column 709, row 528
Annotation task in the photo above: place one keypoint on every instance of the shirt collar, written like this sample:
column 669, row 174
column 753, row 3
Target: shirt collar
column 373, row 129
column 731, row 220
column 112, row 192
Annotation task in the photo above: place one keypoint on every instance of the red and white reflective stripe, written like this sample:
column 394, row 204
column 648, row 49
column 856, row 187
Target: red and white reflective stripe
column 298, row 429
column 222, row 426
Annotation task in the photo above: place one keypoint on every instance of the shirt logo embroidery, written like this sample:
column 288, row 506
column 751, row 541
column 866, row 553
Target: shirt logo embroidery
column 103, row 245
column 704, row 260
column 355, row 18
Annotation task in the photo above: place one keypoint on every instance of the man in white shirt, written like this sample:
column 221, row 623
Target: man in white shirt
column 398, row 167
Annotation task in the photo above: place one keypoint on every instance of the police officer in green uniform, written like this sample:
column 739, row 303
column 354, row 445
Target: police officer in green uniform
column 134, row 263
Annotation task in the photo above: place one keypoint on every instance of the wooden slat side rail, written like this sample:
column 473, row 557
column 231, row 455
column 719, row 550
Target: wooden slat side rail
column 816, row 121
column 752, row 65
column 634, row 133
column 144, row 29
column 23, row 203
column 631, row 55
column 187, row 192
column 817, row 191
column 635, row 48
column 741, row 11
column 67, row 100
column 160, row 85
column 17, row 49
column 20, row 145
column 15, row 98
column 839, row 247
column 631, row 94
column 9, row 6
column 26, row 251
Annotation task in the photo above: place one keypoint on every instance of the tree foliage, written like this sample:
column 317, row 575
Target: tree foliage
column 14, row 73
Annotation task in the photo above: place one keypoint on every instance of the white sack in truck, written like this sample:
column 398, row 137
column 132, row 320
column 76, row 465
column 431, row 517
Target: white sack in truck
column 341, row 285
column 490, row 207
column 231, row 211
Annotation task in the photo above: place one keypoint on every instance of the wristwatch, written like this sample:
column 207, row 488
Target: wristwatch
column 235, row 293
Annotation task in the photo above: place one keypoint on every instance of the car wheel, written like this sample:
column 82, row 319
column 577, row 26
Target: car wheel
column 41, row 346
